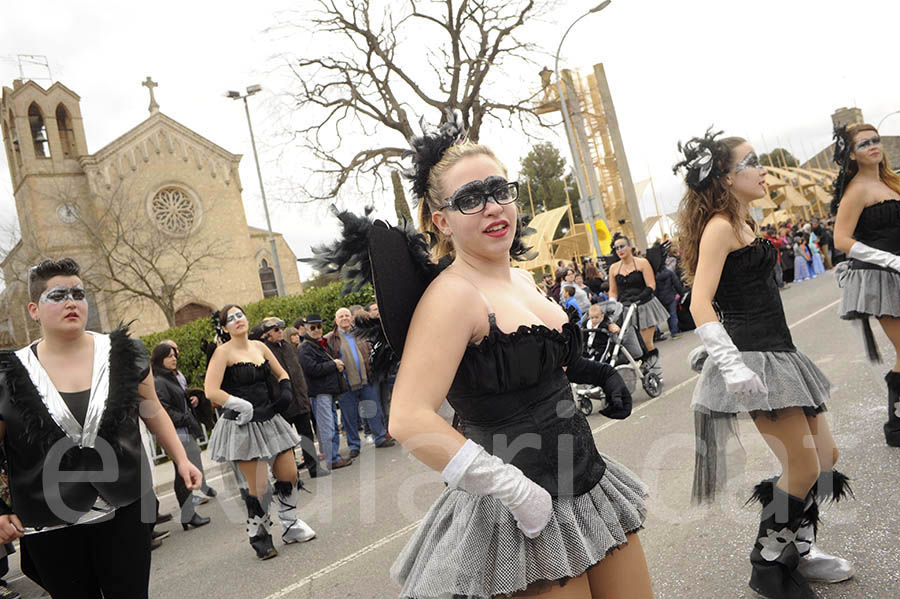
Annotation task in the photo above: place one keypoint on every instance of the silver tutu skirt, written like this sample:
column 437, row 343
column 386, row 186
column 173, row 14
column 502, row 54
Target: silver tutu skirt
column 231, row 442
column 652, row 314
column 469, row 546
column 791, row 379
column 868, row 292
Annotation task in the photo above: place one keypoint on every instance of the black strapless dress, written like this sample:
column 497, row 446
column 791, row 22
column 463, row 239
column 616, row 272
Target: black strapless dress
column 868, row 289
column 514, row 399
column 749, row 305
column 267, row 434
column 650, row 313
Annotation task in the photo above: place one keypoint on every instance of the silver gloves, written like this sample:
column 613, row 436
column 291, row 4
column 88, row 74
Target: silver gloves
column 861, row 251
column 476, row 471
column 243, row 407
column 722, row 351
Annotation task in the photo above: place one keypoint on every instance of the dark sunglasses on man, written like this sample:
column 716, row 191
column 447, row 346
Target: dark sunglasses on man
column 312, row 326
column 472, row 197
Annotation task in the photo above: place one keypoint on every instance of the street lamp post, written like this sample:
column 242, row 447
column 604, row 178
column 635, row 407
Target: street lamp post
column 884, row 117
column 570, row 135
column 252, row 89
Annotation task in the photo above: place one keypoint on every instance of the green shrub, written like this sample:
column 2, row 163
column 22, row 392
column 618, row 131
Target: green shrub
column 322, row 300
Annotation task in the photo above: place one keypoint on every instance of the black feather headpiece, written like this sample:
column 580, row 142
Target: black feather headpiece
column 705, row 159
column 221, row 333
column 427, row 149
column 842, row 147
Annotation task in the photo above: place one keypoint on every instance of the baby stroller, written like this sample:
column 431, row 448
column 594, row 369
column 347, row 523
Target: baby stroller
column 617, row 355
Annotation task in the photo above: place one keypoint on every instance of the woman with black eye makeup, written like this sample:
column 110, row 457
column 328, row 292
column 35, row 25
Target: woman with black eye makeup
column 753, row 367
column 867, row 204
column 82, row 500
column 531, row 508
column 252, row 432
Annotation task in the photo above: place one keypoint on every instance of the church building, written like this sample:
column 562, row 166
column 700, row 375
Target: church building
column 155, row 217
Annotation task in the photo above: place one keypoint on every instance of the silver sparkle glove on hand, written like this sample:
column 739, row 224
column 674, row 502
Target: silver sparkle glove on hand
column 243, row 408
column 725, row 355
column 476, row 471
column 861, row 251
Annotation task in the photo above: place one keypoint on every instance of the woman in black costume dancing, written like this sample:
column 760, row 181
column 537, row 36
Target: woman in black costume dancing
column 753, row 366
column 531, row 508
column 867, row 204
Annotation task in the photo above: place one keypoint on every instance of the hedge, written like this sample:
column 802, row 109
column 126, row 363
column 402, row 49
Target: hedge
column 189, row 337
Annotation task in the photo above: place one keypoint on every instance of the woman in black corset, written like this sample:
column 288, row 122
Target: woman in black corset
column 251, row 432
column 530, row 504
column 631, row 281
column 867, row 204
column 753, row 366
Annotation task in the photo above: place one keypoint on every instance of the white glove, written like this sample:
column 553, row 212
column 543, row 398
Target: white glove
column 243, row 407
column 861, row 251
column 476, row 471
column 722, row 351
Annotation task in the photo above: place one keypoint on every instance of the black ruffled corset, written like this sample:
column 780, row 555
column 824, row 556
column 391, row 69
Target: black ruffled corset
column 879, row 226
column 251, row 382
column 513, row 399
column 748, row 300
column 630, row 286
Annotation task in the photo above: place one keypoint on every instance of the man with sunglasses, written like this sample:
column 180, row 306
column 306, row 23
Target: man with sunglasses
column 298, row 413
column 325, row 382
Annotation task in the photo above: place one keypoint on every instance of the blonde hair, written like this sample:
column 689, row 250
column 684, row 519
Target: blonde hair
column 434, row 197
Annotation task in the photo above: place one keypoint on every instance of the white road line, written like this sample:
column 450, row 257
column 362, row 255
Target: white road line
column 331, row 568
column 409, row 527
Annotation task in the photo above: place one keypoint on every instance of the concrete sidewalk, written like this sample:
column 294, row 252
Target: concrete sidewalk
column 164, row 473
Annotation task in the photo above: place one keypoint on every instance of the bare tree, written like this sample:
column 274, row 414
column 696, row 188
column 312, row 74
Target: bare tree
column 435, row 54
column 132, row 259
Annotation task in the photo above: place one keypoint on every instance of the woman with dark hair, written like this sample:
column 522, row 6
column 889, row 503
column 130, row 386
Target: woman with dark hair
column 867, row 204
column 753, row 366
column 632, row 281
column 509, row 523
column 164, row 365
column 251, row 431
column 82, row 499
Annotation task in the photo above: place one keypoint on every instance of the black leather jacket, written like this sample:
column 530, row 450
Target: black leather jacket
column 176, row 402
column 321, row 372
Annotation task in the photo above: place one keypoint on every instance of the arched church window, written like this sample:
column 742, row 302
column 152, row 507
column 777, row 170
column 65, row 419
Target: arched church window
column 14, row 139
column 7, row 141
column 175, row 211
column 66, row 133
column 38, row 132
column 267, row 279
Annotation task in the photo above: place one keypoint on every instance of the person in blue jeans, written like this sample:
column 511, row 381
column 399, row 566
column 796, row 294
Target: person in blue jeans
column 362, row 397
column 325, row 381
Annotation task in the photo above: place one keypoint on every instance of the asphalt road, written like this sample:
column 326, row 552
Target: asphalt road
column 365, row 513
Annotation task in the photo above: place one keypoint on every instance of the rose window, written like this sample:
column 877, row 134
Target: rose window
column 174, row 210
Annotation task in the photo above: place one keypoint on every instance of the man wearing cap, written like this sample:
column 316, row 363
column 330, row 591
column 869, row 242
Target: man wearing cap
column 325, row 381
column 298, row 412
column 362, row 396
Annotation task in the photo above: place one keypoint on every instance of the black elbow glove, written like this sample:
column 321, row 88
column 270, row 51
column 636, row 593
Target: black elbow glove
column 582, row 370
column 646, row 295
column 285, row 396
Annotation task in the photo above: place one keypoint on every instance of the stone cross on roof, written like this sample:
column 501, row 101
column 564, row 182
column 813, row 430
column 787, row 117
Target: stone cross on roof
column 150, row 84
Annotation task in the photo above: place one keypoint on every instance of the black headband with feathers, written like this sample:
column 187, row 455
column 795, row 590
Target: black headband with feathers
column 705, row 160
column 842, row 147
column 427, row 149
column 221, row 333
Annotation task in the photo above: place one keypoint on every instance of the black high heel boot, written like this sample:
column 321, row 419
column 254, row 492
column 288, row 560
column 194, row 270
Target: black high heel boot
column 196, row 521
column 776, row 553
column 258, row 524
column 892, row 426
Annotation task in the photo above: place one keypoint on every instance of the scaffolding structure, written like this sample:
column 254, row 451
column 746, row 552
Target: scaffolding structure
column 599, row 151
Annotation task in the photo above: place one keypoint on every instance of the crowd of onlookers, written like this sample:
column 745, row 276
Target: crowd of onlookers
column 805, row 249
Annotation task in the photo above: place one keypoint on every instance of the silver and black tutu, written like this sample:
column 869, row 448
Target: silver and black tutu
column 469, row 546
column 868, row 292
column 792, row 380
column 232, row 442
column 652, row 314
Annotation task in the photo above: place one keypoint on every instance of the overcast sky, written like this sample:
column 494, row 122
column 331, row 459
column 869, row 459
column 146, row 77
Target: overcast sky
column 771, row 71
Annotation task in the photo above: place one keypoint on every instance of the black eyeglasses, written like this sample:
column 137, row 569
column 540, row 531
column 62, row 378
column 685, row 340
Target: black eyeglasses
column 472, row 197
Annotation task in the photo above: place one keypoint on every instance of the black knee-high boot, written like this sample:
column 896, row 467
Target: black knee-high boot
column 258, row 525
column 892, row 426
column 776, row 553
column 815, row 564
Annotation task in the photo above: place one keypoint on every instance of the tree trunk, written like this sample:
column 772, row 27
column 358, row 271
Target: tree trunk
column 400, row 205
